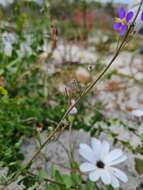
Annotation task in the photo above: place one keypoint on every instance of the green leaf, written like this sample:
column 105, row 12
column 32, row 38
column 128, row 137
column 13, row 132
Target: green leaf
column 33, row 187
column 139, row 165
column 90, row 185
column 110, row 188
column 53, row 171
column 67, row 181
column 76, row 178
column 50, row 188
column 42, row 174
column 141, row 137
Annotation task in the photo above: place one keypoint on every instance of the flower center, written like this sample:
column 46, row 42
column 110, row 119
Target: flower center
column 100, row 164
column 118, row 20
column 123, row 21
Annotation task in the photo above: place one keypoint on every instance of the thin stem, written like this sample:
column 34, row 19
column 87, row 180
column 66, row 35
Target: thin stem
column 83, row 94
column 96, row 187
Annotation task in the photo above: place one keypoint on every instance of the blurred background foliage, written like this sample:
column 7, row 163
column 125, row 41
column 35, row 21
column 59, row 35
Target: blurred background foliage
column 29, row 96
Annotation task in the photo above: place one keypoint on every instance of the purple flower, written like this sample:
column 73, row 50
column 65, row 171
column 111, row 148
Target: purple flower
column 142, row 16
column 122, row 21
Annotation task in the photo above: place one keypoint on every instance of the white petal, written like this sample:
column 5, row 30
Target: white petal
column 87, row 167
column 105, row 149
column 73, row 111
column 105, row 177
column 94, row 176
column 120, row 174
column 115, row 182
column 113, row 155
column 118, row 161
column 87, row 153
column 96, row 145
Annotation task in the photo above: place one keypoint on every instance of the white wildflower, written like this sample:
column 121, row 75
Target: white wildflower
column 101, row 161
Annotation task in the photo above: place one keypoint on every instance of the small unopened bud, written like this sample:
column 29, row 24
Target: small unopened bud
column 50, row 128
column 91, row 67
column 39, row 128
column 74, row 109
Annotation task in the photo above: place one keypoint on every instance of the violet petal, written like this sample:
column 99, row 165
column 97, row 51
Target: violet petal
column 142, row 16
column 122, row 13
column 123, row 30
column 129, row 16
column 117, row 26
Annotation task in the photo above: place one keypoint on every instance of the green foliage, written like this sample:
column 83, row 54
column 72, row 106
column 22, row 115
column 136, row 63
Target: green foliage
column 19, row 117
column 68, row 182
column 139, row 166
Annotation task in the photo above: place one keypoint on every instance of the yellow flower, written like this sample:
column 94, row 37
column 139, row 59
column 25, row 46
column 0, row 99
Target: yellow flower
column 3, row 91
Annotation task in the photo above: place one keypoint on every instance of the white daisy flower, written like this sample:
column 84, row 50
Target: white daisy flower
column 101, row 161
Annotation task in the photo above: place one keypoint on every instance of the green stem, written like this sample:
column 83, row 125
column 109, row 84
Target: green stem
column 96, row 187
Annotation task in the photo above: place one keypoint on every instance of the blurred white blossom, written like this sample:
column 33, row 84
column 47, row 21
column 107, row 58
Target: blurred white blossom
column 38, row 2
column 73, row 53
column 140, row 129
column 136, row 141
column 137, row 112
column 6, row 3
column 8, row 39
column 82, row 75
column 123, row 134
column 25, row 47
